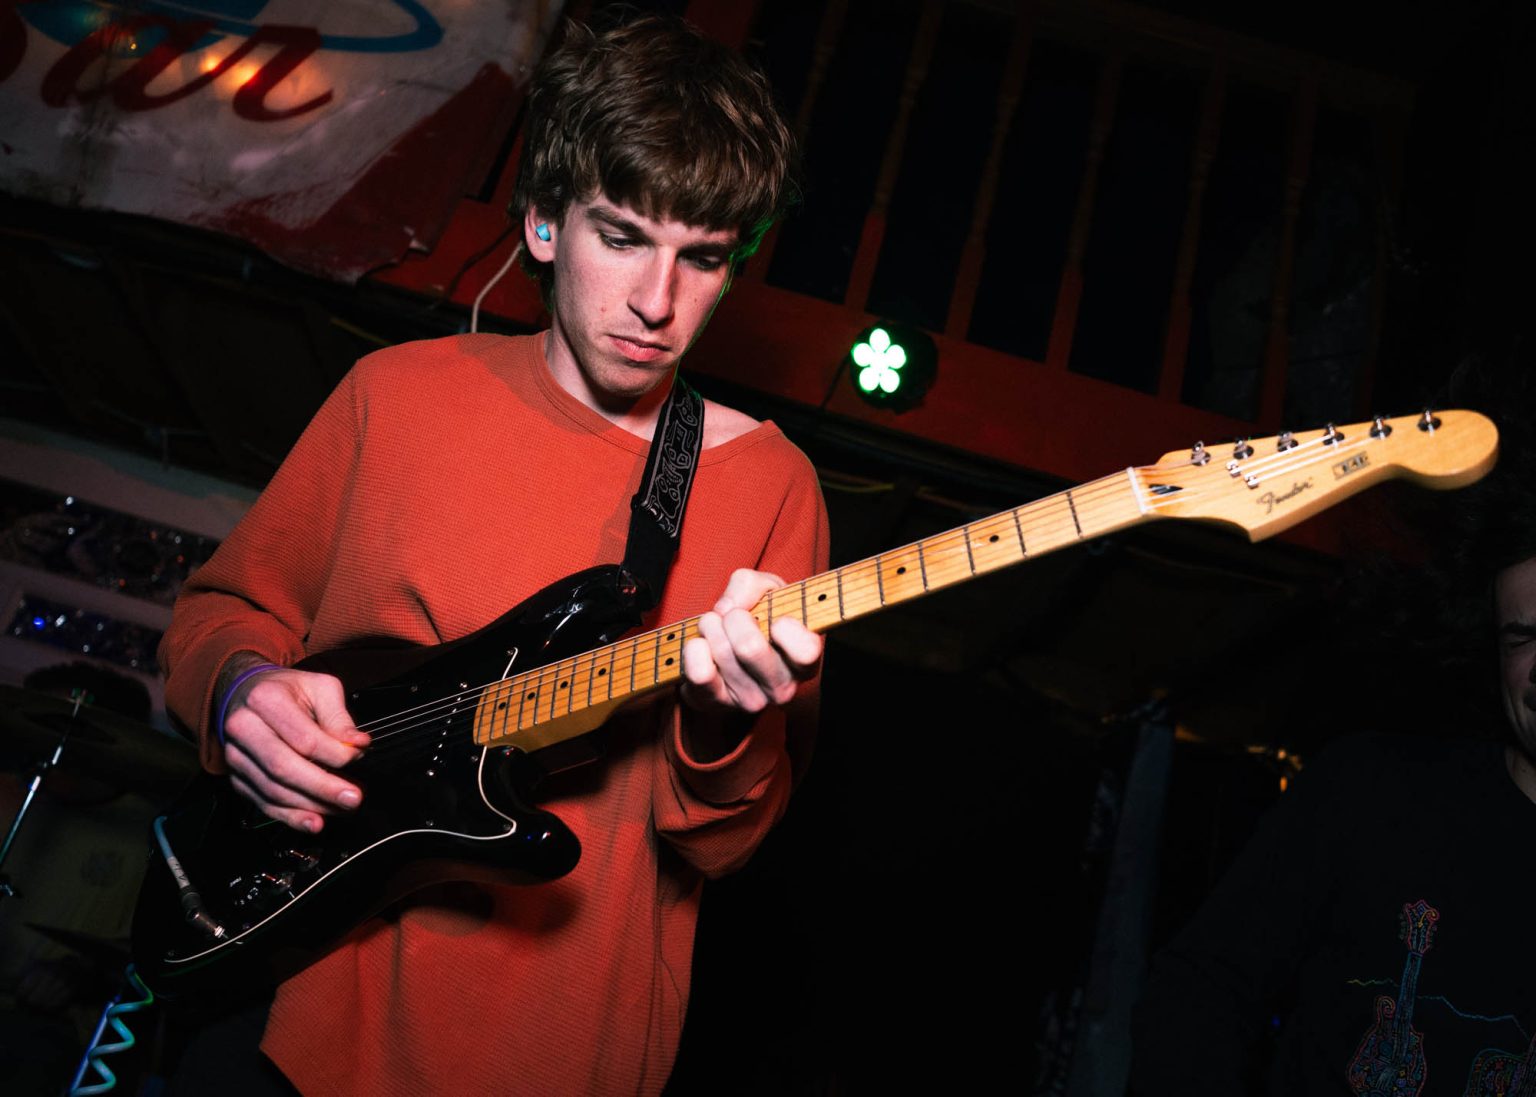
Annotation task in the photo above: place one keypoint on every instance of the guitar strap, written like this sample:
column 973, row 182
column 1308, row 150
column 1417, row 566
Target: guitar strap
column 656, row 511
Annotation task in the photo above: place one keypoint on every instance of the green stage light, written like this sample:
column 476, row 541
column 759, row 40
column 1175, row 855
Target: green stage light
column 893, row 365
column 879, row 361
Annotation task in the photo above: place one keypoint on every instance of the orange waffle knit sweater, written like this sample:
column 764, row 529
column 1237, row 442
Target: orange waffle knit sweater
column 442, row 483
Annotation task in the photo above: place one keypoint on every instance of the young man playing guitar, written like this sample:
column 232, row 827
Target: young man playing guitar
column 442, row 483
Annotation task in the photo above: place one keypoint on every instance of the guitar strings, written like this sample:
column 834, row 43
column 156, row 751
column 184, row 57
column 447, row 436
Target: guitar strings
column 437, row 716
column 430, row 718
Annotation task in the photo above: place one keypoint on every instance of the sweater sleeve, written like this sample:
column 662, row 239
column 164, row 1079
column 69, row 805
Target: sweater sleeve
column 1213, row 991
column 717, row 813
column 259, row 591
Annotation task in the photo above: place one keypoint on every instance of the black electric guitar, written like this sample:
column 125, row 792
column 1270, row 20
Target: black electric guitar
column 232, row 896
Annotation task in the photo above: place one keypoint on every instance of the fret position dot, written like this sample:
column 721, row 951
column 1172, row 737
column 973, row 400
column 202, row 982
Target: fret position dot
column 901, row 570
column 602, row 672
column 821, row 598
column 502, row 705
column 669, row 661
column 993, row 539
column 671, row 636
column 532, row 695
column 564, row 684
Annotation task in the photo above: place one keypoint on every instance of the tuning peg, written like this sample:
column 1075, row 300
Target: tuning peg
column 1380, row 428
column 1286, row 441
column 1242, row 451
column 1332, row 436
column 1428, row 422
column 1198, row 455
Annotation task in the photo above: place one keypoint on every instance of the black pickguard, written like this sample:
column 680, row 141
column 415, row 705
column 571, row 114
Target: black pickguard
column 436, row 807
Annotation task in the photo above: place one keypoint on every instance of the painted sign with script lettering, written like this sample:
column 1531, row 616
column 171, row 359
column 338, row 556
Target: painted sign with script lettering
column 334, row 134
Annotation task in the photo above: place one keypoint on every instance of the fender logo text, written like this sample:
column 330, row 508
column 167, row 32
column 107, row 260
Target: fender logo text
column 1269, row 500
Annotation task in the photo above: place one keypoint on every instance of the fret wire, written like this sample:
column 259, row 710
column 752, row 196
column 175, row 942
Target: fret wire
column 970, row 557
column 922, row 565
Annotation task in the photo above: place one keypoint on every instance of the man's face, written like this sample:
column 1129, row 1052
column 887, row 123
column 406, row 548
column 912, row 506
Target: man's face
column 631, row 296
column 1514, row 596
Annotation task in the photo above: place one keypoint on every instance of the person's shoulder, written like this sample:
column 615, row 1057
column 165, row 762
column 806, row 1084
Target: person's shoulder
column 434, row 361
column 1401, row 760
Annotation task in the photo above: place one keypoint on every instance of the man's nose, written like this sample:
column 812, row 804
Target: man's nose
column 652, row 296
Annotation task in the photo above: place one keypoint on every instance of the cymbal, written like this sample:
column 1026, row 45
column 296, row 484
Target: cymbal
column 124, row 753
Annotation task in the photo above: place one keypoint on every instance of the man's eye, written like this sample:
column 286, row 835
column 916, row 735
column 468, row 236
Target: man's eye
column 618, row 243
column 707, row 262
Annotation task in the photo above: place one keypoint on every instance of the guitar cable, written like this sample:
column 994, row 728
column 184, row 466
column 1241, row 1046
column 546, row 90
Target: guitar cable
column 112, row 1015
column 191, row 901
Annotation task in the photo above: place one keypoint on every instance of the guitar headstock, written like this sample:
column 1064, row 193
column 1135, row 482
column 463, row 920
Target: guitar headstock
column 1418, row 926
column 1266, row 485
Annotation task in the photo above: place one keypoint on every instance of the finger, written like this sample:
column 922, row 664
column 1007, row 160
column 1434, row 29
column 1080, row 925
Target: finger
column 758, row 658
column 742, row 687
column 329, row 701
column 299, row 819
column 745, row 589
column 753, row 666
column 702, row 687
column 269, row 790
column 290, row 711
column 800, row 647
column 272, row 756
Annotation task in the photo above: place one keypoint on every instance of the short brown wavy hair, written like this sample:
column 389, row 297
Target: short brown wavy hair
column 655, row 116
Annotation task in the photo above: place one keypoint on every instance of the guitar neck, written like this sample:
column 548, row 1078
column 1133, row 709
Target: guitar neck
column 540, row 707
column 1258, row 485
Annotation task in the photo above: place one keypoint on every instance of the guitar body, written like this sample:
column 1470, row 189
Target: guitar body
column 1390, row 1059
column 1500, row 1074
column 436, row 806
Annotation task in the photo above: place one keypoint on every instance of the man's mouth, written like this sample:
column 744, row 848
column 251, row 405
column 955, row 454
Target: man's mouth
column 638, row 352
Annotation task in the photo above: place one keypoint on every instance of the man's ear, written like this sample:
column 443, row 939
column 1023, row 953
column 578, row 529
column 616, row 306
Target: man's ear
column 539, row 234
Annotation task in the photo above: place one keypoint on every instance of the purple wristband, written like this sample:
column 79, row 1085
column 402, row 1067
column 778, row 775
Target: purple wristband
column 248, row 672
